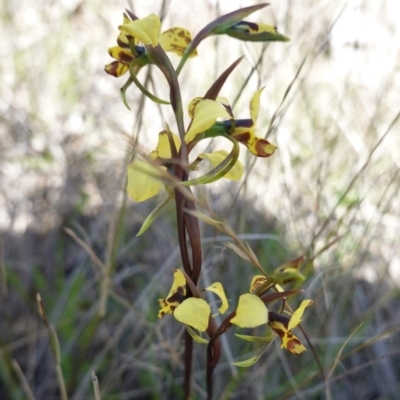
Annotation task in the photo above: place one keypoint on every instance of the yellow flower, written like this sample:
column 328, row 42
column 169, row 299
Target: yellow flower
column 244, row 131
column 193, row 312
column 145, row 177
column 252, row 312
column 146, row 31
column 283, row 326
column 205, row 115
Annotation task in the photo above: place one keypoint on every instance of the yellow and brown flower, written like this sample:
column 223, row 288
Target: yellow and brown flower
column 145, row 31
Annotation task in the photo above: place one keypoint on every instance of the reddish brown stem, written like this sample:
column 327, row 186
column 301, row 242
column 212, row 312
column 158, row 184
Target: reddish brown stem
column 188, row 364
column 214, row 349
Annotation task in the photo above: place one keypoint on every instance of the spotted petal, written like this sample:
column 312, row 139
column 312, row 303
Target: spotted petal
column 116, row 68
column 121, row 54
column 122, row 39
column 289, row 341
column 256, row 32
column 176, row 40
column 175, row 296
column 244, row 133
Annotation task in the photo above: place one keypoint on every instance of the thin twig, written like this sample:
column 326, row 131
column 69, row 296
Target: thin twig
column 3, row 272
column 96, row 386
column 24, row 383
column 88, row 250
column 54, row 346
column 355, row 178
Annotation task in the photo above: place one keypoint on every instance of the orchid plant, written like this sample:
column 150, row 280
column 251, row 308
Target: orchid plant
column 140, row 43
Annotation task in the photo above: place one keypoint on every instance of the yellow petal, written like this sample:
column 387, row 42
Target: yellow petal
column 175, row 296
column 218, row 289
column 251, row 312
column 176, row 40
column 122, row 40
column 192, row 106
column 260, row 147
column 193, row 312
column 146, row 30
column 116, row 68
column 216, row 158
column 289, row 341
column 257, row 281
column 255, row 105
column 206, row 114
column 142, row 184
column 275, row 35
column 179, row 283
column 295, row 319
column 256, row 32
column 259, row 27
column 223, row 100
column 292, row 343
column 163, row 147
column 121, row 54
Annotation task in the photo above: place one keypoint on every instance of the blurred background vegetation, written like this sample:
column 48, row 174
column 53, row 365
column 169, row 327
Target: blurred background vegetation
column 330, row 192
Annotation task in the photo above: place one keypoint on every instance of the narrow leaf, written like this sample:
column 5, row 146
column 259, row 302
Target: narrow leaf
column 197, row 338
column 203, row 217
column 258, row 339
column 247, row 363
column 238, row 251
column 152, row 216
column 215, row 88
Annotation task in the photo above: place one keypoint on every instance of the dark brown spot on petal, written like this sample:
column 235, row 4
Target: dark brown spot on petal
column 122, row 44
column 263, row 148
column 279, row 332
column 177, row 49
column 249, row 27
column 176, row 297
column 275, row 317
column 112, row 68
column 126, row 58
column 292, row 344
column 243, row 137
